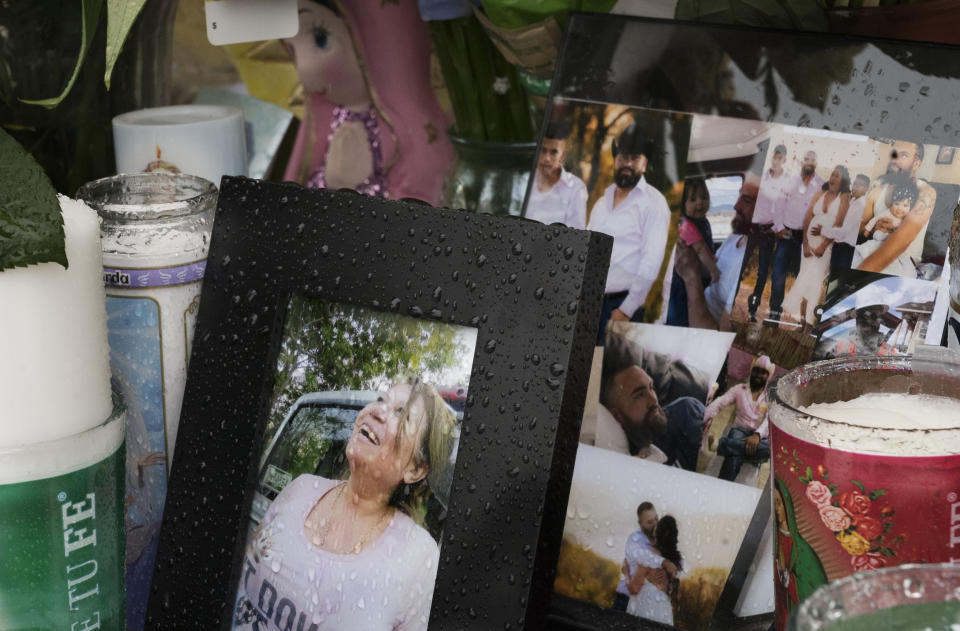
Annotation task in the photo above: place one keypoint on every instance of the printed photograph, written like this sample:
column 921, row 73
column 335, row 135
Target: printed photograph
column 651, row 391
column 617, row 170
column 806, row 186
column 829, row 202
column 651, row 541
column 874, row 314
column 786, row 349
column 725, row 158
column 736, row 432
column 355, row 474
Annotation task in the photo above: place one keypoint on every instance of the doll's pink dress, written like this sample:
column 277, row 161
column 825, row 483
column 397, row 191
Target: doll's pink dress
column 376, row 183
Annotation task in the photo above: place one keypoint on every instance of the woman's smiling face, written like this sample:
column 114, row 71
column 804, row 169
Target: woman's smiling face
column 323, row 53
column 385, row 437
column 836, row 180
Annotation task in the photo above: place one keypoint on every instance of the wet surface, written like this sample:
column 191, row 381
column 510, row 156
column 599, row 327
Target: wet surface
column 531, row 291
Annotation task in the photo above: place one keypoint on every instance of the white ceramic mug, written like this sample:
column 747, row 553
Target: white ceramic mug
column 204, row 140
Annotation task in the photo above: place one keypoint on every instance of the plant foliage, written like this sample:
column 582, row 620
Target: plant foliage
column 31, row 226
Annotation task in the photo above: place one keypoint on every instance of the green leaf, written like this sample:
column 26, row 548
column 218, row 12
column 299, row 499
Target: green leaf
column 31, row 226
column 876, row 494
column 91, row 16
column 121, row 15
column 859, row 485
column 809, row 473
column 887, row 552
column 833, row 489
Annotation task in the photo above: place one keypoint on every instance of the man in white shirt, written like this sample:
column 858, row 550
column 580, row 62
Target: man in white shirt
column 637, row 216
column 789, row 230
column 771, row 199
column 558, row 196
column 844, row 233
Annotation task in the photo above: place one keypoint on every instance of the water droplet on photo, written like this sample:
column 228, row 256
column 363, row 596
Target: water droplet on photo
column 913, row 588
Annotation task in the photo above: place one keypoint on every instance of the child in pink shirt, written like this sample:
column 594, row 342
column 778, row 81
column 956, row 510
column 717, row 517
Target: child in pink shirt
column 695, row 228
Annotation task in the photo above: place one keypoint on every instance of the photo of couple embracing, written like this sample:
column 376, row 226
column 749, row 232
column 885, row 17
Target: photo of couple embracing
column 651, row 565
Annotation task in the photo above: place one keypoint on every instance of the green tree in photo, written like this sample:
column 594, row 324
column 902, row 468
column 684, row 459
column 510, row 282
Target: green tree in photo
column 328, row 346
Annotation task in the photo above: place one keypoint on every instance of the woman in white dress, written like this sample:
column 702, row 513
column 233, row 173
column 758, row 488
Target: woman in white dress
column 828, row 207
column 654, row 600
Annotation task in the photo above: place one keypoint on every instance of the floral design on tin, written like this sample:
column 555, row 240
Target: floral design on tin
column 861, row 520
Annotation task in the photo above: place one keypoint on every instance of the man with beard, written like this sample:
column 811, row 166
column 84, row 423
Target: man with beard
column 789, row 230
column 637, row 216
column 899, row 253
column 630, row 418
column 710, row 308
column 557, row 195
column 746, row 439
column 864, row 338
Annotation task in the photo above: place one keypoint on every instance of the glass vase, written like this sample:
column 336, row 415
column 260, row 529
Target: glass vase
column 489, row 177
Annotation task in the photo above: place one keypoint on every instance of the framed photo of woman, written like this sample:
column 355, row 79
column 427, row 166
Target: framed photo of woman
column 382, row 398
column 354, row 480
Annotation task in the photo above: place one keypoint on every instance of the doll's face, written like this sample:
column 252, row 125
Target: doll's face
column 325, row 58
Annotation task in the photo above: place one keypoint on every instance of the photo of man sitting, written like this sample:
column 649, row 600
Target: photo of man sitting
column 747, row 439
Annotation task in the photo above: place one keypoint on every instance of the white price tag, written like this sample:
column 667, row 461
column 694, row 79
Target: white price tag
column 236, row 21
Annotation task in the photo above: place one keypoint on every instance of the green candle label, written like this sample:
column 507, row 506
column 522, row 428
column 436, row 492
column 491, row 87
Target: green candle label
column 61, row 551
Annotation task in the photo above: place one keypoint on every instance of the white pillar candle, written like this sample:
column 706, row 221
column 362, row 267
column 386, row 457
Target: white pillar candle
column 54, row 363
column 204, row 140
column 61, row 487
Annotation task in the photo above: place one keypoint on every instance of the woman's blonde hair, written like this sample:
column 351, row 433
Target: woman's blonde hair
column 437, row 437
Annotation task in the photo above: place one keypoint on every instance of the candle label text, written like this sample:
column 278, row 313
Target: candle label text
column 61, row 550
column 837, row 513
column 154, row 277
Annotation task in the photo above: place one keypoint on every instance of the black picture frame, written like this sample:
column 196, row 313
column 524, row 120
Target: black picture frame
column 881, row 88
column 533, row 293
